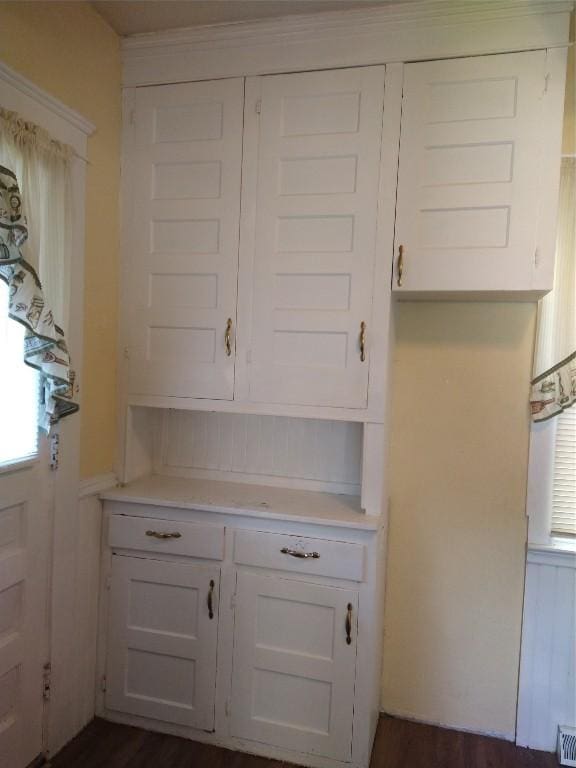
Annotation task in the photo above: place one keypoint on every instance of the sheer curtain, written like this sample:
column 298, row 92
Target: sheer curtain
column 35, row 257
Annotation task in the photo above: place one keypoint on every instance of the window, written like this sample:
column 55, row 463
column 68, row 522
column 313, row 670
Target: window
column 19, row 432
column 564, row 475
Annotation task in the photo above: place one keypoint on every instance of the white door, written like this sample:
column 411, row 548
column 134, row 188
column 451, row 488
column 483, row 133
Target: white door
column 25, row 534
column 467, row 208
column 294, row 665
column 316, row 193
column 162, row 640
column 184, row 163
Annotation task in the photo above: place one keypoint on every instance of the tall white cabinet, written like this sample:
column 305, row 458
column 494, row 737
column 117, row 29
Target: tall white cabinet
column 283, row 183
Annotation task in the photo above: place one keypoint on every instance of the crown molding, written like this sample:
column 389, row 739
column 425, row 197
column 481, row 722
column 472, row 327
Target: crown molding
column 54, row 105
column 343, row 23
column 408, row 31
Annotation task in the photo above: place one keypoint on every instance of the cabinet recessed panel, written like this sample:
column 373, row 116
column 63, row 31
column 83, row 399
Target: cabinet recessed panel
column 195, row 345
column 318, row 170
column 470, row 99
column 163, row 607
column 158, row 676
column 467, row 205
column 310, row 350
column 316, row 234
column 186, row 180
column 186, row 237
column 188, row 122
column 317, row 175
column 275, row 695
column 307, row 291
column 11, row 610
column 183, row 290
column 279, row 626
column 312, row 114
column 468, row 164
column 11, row 528
column 465, row 228
column 183, row 172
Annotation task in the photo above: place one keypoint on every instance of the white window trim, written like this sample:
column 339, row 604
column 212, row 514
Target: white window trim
column 539, row 494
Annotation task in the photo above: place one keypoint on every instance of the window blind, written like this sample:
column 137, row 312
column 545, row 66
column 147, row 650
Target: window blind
column 564, row 478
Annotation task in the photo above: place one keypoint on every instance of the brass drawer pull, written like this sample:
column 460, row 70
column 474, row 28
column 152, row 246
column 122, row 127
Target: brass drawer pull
column 362, row 341
column 400, row 265
column 349, row 625
column 228, row 337
column 210, row 598
column 163, row 536
column 299, row 553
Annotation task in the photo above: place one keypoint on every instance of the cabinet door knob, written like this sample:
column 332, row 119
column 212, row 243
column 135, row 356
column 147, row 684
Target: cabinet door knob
column 228, row 337
column 299, row 553
column 400, row 266
column 362, row 341
column 349, row 624
column 162, row 535
column 210, row 600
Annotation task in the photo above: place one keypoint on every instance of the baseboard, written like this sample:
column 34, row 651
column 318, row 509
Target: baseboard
column 503, row 735
column 92, row 486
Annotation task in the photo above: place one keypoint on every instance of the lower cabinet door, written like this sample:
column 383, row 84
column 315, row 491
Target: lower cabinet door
column 162, row 640
column 294, row 665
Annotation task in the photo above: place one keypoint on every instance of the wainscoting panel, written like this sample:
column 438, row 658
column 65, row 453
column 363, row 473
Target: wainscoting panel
column 547, row 694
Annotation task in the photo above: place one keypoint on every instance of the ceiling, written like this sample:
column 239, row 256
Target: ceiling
column 130, row 17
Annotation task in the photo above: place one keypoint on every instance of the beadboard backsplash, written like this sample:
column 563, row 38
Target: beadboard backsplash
column 313, row 454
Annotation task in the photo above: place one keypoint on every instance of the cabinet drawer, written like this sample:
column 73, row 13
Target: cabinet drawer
column 166, row 536
column 282, row 552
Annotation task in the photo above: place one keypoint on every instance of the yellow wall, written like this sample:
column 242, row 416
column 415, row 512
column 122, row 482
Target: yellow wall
column 458, row 492
column 69, row 51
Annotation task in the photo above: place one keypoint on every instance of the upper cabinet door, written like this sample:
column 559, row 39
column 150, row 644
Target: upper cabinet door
column 183, row 206
column 315, row 145
column 475, row 158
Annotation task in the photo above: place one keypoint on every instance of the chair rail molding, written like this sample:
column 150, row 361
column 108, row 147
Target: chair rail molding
column 420, row 30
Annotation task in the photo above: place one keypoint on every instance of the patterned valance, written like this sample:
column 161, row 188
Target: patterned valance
column 554, row 390
column 44, row 344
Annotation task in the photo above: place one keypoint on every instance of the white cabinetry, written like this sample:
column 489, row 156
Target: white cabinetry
column 294, row 664
column 163, row 624
column 478, row 175
column 183, row 164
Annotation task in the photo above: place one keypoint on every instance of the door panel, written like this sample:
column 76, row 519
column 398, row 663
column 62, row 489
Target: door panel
column 467, row 192
column 316, row 204
column 294, row 672
column 24, row 537
column 162, row 641
column 183, row 237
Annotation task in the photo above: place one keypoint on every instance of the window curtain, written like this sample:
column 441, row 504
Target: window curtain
column 554, row 383
column 35, row 254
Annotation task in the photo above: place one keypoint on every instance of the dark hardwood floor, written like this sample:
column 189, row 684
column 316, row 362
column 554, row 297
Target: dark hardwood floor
column 399, row 744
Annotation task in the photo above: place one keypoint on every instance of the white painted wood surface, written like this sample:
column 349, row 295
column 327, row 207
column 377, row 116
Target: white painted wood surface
column 417, row 31
column 318, row 153
column 184, row 155
column 158, row 537
column 259, row 501
column 313, row 454
column 547, row 693
column 162, row 640
column 469, row 181
column 293, row 670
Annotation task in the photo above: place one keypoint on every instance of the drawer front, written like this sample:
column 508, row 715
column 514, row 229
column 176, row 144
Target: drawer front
column 150, row 534
column 298, row 554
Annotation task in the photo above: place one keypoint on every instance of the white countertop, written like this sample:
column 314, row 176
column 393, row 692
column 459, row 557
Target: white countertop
column 247, row 499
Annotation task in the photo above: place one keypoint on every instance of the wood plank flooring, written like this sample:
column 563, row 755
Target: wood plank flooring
column 399, row 744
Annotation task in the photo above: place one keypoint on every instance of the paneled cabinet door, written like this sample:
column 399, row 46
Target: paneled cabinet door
column 162, row 640
column 183, row 214
column 294, row 665
column 316, row 192
column 469, row 182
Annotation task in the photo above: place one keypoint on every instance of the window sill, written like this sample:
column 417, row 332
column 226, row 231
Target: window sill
column 559, row 553
column 18, row 465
